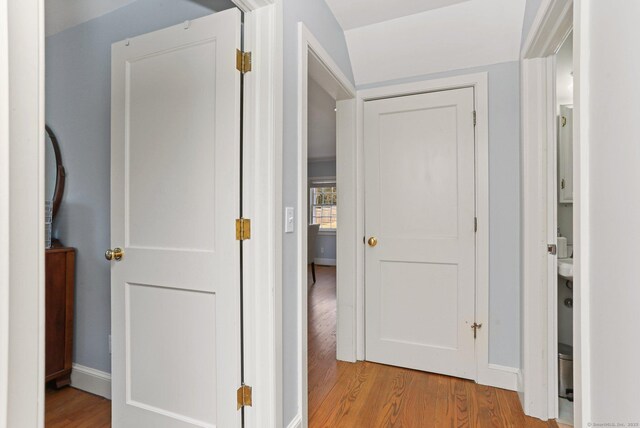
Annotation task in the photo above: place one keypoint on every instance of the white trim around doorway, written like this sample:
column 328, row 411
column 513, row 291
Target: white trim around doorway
column 262, row 199
column 313, row 60
column 23, row 349
column 539, row 378
column 4, row 213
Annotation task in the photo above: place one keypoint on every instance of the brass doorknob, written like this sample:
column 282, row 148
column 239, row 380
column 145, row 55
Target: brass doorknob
column 115, row 254
column 373, row 241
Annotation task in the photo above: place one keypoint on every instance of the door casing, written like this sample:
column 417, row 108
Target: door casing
column 315, row 61
column 538, row 383
column 487, row 373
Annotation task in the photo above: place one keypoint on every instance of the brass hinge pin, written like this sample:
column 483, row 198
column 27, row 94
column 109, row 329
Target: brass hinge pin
column 243, row 61
column 244, row 396
column 243, row 229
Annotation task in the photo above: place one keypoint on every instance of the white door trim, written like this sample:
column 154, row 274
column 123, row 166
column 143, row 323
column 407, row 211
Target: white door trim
column 25, row 205
column 262, row 200
column 538, row 383
column 333, row 80
column 487, row 374
column 4, row 212
column 554, row 21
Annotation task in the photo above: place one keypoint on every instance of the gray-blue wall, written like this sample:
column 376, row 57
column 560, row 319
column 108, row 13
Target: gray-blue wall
column 325, row 243
column 317, row 16
column 504, row 206
column 78, row 102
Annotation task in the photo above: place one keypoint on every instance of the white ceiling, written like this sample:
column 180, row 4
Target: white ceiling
column 321, row 123
column 358, row 13
column 455, row 35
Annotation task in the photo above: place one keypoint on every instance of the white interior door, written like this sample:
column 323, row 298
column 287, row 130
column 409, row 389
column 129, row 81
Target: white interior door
column 420, row 205
column 175, row 160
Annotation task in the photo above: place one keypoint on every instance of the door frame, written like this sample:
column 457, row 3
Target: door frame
column 4, row 210
column 486, row 373
column 23, row 350
column 331, row 78
column 24, row 65
column 538, row 383
column 262, row 202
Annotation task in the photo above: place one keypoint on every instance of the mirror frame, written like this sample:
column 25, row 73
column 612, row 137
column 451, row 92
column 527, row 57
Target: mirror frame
column 60, row 172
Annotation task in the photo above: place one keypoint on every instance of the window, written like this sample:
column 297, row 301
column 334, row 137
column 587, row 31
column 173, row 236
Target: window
column 323, row 204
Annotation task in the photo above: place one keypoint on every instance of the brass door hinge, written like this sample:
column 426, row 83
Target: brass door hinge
column 475, row 328
column 243, row 61
column 475, row 224
column 474, row 118
column 243, row 229
column 244, row 396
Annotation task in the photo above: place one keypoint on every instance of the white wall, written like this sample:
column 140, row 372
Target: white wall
column 609, row 109
column 530, row 11
column 464, row 35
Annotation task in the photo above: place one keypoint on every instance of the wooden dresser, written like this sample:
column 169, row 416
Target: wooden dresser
column 60, row 278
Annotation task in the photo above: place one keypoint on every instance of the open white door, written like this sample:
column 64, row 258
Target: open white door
column 420, row 206
column 175, row 192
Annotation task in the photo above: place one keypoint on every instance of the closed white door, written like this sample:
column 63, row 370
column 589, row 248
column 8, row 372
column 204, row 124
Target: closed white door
column 175, row 158
column 420, row 207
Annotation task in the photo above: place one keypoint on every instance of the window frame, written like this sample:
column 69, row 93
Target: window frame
column 327, row 181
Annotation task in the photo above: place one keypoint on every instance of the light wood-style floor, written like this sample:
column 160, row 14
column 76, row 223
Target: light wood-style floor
column 372, row 395
column 361, row 395
column 70, row 407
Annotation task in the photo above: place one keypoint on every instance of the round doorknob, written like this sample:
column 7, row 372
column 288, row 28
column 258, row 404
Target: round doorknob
column 373, row 241
column 115, row 254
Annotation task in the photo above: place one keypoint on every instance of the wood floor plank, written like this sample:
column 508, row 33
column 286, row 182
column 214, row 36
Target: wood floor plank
column 72, row 408
column 346, row 395
column 369, row 395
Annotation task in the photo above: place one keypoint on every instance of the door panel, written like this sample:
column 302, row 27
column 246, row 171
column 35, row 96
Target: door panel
column 420, row 205
column 175, row 196
column 171, row 98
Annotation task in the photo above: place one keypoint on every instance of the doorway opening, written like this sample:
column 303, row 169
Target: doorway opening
column 563, row 214
column 326, row 230
column 551, row 204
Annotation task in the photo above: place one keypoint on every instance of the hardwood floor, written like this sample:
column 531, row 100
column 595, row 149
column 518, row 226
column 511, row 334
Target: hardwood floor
column 374, row 395
column 71, row 408
column 365, row 395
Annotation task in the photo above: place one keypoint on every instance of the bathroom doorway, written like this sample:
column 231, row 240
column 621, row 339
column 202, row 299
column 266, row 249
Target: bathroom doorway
column 563, row 207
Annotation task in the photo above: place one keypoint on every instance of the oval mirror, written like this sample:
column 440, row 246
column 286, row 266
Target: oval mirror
column 54, row 171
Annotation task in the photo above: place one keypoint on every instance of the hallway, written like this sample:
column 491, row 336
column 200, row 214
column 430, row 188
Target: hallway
column 374, row 395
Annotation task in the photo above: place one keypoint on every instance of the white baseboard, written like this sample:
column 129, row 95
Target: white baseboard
column 500, row 377
column 91, row 380
column 325, row 262
column 296, row 422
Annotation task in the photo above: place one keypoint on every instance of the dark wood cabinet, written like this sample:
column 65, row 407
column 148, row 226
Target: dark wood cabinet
column 60, row 278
